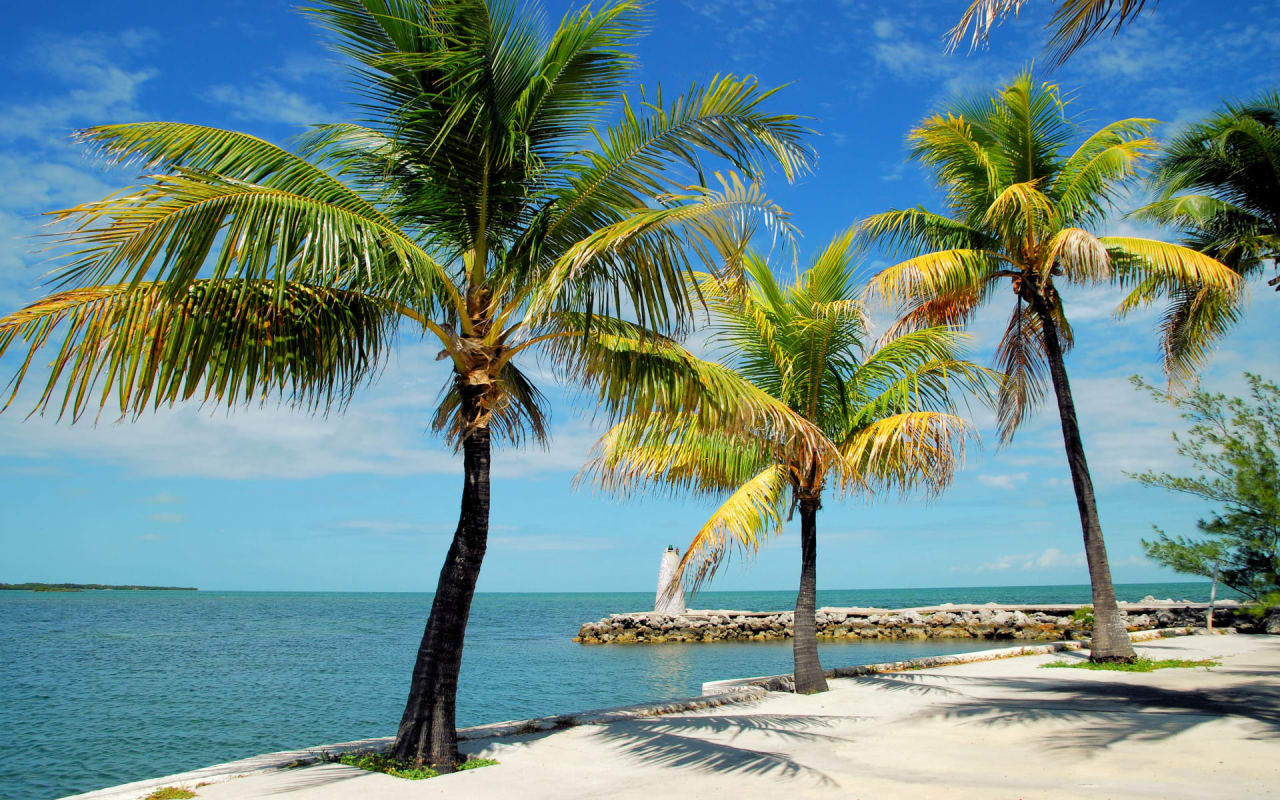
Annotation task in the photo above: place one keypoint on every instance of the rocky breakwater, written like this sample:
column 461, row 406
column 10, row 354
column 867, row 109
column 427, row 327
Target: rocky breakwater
column 991, row 621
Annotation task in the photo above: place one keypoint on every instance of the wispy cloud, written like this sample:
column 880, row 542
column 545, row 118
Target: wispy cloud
column 1008, row 482
column 1050, row 558
column 271, row 102
column 165, row 499
column 98, row 87
column 166, row 517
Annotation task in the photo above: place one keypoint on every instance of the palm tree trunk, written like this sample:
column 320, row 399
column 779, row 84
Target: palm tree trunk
column 427, row 733
column 808, row 675
column 1110, row 638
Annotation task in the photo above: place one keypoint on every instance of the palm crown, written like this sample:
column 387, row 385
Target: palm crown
column 478, row 203
column 1022, row 208
column 1219, row 182
column 883, row 412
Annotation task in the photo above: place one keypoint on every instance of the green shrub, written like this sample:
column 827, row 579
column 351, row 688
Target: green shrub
column 1083, row 616
column 477, row 763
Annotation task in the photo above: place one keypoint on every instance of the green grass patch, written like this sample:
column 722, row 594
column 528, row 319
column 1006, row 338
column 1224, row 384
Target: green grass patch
column 477, row 763
column 1139, row 665
column 381, row 762
column 171, row 793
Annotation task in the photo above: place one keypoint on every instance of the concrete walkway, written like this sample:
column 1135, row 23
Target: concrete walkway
column 997, row 729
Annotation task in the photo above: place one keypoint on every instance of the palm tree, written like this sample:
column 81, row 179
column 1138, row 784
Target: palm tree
column 481, row 209
column 1074, row 24
column 1020, row 209
column 881, row 413
column 1219, row 182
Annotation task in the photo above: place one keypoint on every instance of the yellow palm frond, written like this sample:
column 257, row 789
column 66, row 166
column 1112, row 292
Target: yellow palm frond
column 921, row 449
column 742, row 522
column 1137, row 259
column 928, row 273
column 1021, row 210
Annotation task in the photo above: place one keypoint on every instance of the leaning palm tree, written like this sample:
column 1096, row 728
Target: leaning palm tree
column 883, row 414
column 1074, row 24
column 1021, row 210
column 1218, row 182
column 476, row 206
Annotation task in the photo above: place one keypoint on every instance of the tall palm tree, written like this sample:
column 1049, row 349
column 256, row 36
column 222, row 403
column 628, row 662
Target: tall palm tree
column 1074, row 24
column 882, row 412
column 1021, row 209
column 1218, row 181
column 481, row 209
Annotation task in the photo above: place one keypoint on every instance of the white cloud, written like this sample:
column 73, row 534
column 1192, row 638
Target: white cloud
column 101, row 90
column 165, row 499
column 166, row 517
column 271, row 102
column 1050, row 558
column 149, row 537
column 1007, row 482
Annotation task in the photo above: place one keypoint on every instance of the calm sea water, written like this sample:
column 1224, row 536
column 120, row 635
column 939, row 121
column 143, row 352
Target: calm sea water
column 101, row 688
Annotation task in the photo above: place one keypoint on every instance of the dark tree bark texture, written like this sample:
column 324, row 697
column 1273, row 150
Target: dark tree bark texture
column 428, row 733
column 808, row 671
column 1110, row 638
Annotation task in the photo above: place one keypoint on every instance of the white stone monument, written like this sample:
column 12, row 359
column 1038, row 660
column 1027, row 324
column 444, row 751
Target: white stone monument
column 669, row 599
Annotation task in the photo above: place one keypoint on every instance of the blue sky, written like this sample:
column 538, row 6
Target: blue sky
column 274, row 499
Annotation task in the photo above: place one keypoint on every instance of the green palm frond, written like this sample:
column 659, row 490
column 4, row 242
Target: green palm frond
column 650, row 250
column 235, row 156
column 192, row 225
column 1091, row 178
column 917, row 231
column 231, row 344
column 1218, row 181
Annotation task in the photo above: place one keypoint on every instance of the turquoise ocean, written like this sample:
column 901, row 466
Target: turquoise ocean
column 101, row 688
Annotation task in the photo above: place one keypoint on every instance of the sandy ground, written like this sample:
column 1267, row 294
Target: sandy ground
column 996, row 729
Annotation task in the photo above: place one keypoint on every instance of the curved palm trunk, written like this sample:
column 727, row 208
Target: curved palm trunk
column 427, row 733
column 1110, row 638
column 808, row 673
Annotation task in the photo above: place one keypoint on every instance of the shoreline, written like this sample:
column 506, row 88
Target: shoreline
column 715, row 694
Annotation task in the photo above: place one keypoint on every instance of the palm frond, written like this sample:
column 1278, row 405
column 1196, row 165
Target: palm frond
column 905, row 452
column 1079, row 255
column 230, row 344
column 932, row 273
column 194, row 225
column 645, row 452
column 1136, row 259
column 1090, row 179
column 632, row 264
column 742, row 523
column 1021, row 359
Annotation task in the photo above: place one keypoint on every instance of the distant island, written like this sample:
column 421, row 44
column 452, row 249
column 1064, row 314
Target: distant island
column 80, row 587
